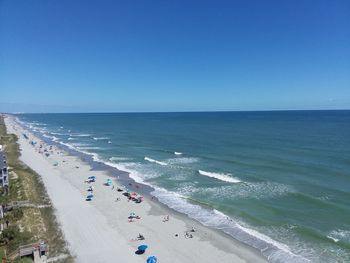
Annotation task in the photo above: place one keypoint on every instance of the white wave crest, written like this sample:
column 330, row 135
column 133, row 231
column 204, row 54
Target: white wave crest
column 220, row 176
column 271, row 249
column 183, row 160
column 220, row 213
column 339, row 234
column 54, row 139
column 135, row 175
column 80, row 149
column 154, row 161
column 80, row 135
column 100, row 138
column 177, row 153
column 333, row 238
column 68, row 145
column 58, row 133
column 80, row 144
column 47, row 136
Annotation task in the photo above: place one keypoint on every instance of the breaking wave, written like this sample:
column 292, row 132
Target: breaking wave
column 271, row 249
column 100, row 138
column 154, row 161
column 220, row 176
column 80, row 135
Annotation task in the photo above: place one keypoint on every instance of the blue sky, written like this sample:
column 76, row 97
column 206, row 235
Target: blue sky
column 144, row 55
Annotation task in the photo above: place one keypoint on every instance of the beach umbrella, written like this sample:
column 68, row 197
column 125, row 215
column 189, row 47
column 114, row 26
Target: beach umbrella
column 90, row 196
column 92, row 177
column 152, row 259
column 142, row 247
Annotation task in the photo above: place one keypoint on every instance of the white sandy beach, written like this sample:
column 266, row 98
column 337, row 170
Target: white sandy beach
column 99, row 230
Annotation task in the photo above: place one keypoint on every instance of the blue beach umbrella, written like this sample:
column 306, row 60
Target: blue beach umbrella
column 142, row 247
column 92, row 177
column 90, row 196
column 152, row 259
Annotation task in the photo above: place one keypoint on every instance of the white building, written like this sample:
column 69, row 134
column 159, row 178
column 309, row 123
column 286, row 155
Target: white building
column 4, row 177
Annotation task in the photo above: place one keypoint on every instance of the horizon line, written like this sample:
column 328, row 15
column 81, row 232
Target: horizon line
column 204, row 111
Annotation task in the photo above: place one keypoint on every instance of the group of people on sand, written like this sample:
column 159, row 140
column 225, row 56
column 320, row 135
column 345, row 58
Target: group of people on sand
column 188, row 233
column 42, row 148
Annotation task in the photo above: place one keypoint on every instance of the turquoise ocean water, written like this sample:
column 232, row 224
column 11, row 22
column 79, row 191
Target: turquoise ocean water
column 277, row 181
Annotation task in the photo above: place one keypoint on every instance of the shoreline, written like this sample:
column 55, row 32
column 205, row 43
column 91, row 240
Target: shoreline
column 207, row 244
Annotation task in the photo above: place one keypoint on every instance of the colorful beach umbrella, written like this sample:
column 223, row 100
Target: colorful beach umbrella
column 152, row 259
column 142, row 247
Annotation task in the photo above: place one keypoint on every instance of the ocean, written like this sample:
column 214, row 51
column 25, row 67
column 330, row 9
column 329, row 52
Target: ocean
column 278, row 181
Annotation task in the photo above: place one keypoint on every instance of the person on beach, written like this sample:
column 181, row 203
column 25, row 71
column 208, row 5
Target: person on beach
column 188, row 235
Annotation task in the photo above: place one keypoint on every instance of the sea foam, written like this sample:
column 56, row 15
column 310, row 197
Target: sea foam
column 220, row 176
column 183, row 160
column 154, row 161
column 80, row 135
column 273, row 250
column 100, row 138
column 339, row 235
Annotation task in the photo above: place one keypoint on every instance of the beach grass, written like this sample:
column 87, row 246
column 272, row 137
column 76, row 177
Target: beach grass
column 28, row 224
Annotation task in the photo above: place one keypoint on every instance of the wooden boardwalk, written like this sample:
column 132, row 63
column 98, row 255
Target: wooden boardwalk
column 38, row 251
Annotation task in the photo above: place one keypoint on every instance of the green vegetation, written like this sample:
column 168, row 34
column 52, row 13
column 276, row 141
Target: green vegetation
column 27, row 224
column 2, row 253
column 24, row 260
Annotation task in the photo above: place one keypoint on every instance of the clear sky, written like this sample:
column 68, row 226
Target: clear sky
column 145, row 55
